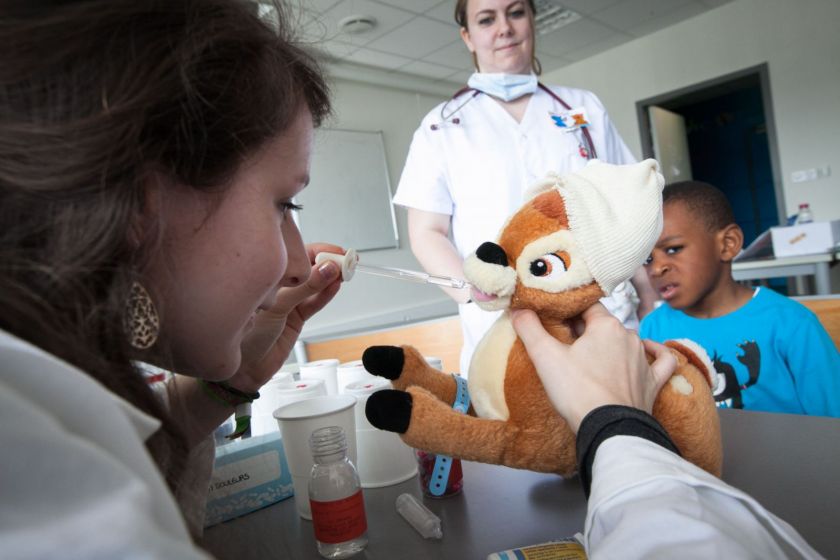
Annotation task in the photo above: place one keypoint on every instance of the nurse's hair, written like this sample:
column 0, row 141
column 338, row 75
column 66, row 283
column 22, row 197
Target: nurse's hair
column 461, row 20
column 96, row 98
column 705, row 202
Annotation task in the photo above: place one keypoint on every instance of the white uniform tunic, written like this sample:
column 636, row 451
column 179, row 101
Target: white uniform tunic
column 78, row 481
column 478, row 170
column 647, row 502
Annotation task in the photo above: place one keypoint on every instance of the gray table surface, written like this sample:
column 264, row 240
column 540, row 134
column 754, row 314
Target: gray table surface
column 791, row 464
column 800, row 265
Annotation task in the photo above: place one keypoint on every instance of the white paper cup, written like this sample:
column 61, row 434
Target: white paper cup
column 383, row 457
column 350, row 372
column 293, row 391
column 262, row 422
column 297, row 421
column 322, row 369
column 276, row 394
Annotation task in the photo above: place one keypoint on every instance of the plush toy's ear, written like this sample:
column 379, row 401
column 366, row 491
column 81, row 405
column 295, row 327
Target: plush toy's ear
column 547, row 183
column 551, row 205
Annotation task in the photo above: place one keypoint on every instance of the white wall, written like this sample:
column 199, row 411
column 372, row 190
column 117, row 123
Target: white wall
column 369, row 301
column 799, row 42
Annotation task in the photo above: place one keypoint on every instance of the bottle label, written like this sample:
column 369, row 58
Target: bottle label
column 340, row 520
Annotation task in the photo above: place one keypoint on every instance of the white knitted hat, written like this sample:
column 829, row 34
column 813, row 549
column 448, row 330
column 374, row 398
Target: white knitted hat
column 615, row 214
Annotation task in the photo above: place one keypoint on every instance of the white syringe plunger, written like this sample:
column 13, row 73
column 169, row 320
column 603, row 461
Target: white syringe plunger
column 347, row 262
column 350, row 264
column 419, row 516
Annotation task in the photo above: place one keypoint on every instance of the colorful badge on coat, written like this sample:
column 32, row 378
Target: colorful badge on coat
column 571, row 120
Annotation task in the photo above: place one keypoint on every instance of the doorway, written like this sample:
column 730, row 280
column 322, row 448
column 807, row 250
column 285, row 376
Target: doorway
column 722, row 132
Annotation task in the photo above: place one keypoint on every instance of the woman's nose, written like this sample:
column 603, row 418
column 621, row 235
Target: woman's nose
column 298, row 268
column 505, row 27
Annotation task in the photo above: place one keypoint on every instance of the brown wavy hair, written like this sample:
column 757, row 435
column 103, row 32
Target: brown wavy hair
column 96, row 95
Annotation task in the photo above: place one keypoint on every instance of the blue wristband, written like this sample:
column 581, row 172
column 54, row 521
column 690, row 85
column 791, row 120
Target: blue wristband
column 440, row 472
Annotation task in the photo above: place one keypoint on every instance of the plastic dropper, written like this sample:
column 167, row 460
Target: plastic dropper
column 349, row 263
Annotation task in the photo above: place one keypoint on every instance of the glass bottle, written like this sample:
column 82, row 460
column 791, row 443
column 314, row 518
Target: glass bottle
column 335, row 495
column 805, row 216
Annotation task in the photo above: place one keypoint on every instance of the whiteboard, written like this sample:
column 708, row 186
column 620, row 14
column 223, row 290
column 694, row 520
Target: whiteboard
column 348, row 200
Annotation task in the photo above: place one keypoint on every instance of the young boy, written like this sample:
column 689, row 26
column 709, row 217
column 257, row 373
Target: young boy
column 771, row 353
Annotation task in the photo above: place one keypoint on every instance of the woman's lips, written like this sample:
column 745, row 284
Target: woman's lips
column 478, row 295
column 507, row 47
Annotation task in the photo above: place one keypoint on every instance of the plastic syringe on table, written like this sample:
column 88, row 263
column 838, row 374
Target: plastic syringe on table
column 349, row 263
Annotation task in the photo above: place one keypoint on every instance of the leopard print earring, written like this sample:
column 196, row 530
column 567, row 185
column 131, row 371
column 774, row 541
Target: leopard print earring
column 141, row 320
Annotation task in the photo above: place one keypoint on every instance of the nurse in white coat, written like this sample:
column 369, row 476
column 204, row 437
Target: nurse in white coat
column 474, row 156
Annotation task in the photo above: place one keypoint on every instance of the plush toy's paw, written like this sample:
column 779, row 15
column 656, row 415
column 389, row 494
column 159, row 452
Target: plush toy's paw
column 389, row 410
column 384, row 361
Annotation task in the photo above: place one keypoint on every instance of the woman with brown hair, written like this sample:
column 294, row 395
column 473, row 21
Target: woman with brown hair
column 473, row 157
column 149, row 156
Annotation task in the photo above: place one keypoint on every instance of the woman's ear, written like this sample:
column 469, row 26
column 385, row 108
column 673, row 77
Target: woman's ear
column 148, row 211
column 732, row 240
column 465, row 36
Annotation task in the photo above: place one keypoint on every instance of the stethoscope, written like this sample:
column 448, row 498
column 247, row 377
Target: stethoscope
column 588, row 151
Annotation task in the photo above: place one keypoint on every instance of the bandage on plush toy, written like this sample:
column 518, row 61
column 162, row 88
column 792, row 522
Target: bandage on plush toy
column 571, row 243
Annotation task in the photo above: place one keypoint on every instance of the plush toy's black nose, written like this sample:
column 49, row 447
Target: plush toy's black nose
column 491, row 253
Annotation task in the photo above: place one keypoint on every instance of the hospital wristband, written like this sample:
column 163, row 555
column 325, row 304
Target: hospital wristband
column 224, row 394
column 443, row 463
column 241, row 401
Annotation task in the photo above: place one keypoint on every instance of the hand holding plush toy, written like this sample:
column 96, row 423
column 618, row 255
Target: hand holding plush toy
column 574, row 241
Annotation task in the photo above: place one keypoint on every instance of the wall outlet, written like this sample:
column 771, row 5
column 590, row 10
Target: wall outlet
column 812, row 174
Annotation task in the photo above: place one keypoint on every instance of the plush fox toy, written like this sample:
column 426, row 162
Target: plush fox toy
column 575, row 240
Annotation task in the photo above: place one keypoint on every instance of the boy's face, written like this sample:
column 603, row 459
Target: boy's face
column 685, row 266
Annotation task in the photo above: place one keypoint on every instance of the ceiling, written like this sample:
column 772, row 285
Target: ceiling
column 420, row 37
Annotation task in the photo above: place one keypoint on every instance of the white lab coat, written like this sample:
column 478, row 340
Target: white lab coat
column 478, row 170
column 647, row 502
column 77, row 481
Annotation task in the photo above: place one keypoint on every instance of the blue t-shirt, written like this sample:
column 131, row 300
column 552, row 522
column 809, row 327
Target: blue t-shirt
column 772, row 354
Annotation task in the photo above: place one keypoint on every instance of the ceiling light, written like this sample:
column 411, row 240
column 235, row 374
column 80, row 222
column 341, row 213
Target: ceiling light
column 551, row 16
column 355, row 25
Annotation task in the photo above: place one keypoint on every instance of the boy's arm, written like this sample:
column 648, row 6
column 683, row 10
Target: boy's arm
column 815, row 366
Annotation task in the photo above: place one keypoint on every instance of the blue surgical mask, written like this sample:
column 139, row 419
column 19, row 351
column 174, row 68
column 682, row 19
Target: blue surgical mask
column 506, row 87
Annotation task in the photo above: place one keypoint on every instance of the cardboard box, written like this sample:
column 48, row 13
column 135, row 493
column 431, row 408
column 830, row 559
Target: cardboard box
column 248, row 474
column 805, row 239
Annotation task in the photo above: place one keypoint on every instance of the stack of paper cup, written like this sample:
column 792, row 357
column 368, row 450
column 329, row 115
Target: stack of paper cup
column 350, row 372
column 383, row 457
column 280, row 393
column 262, row 422
column 297, row 421
column 322, row 369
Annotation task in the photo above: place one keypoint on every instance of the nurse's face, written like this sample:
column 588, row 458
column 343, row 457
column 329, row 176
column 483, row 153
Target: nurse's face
column 500, row 35
column 225, row 255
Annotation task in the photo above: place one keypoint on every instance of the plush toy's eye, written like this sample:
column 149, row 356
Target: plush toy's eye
column 550, row 265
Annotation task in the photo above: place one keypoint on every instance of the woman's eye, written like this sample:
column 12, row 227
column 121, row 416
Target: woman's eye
column 517, row 13
column 286, row 206
column 550, row 265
